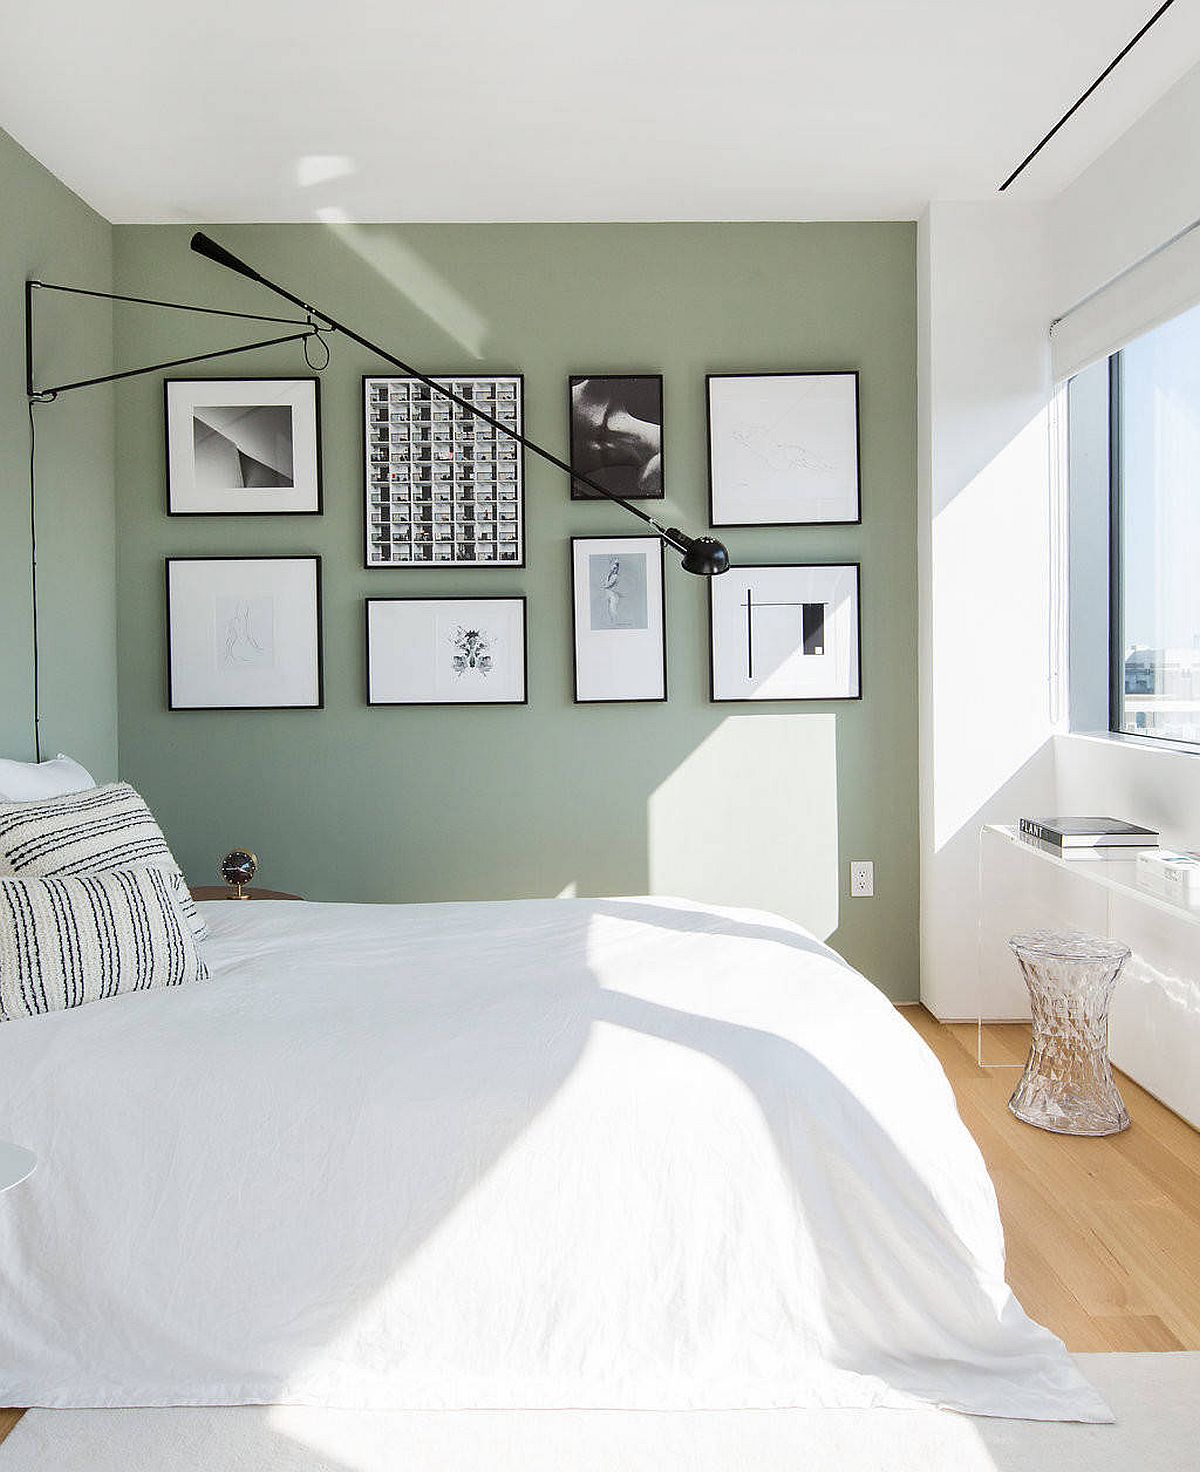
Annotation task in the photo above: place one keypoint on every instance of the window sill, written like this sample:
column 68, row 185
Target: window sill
column 1155, row 745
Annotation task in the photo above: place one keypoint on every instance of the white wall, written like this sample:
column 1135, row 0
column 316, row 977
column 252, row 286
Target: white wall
column 985, row 597
column 992, row 744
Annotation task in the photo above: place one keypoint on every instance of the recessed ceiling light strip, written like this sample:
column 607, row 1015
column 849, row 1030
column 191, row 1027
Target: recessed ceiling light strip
column 1079, row 101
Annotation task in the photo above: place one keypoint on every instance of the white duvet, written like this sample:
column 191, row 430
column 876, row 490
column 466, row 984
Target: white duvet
column 541, row 1154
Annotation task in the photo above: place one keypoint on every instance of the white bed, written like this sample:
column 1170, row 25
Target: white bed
column 564, row 1153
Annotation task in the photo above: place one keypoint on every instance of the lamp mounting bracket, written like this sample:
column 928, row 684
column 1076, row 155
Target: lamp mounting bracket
column 310, row 325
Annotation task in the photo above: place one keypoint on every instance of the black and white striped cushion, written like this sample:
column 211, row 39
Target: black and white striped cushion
column 90, row 832
column 67, row 941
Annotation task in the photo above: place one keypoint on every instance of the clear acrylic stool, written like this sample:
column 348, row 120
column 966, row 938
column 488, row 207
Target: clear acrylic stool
column 1067, row 1086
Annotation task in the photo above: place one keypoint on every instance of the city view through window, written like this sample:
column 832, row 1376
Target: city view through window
column 1160, row 532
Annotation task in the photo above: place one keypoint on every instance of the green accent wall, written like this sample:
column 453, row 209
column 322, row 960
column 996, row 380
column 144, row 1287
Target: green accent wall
column 758, row 805
column 48, row 233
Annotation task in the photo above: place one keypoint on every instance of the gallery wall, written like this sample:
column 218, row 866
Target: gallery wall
column 48, row 233
column 760, row 804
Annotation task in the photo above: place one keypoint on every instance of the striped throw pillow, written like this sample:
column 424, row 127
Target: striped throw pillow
column 67, row 941
column 90, row 832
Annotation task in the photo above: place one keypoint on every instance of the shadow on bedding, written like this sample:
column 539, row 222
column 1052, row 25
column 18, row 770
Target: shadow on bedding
column 331, row 1121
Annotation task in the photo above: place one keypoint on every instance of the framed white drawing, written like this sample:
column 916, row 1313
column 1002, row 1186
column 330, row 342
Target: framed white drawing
column 618, row 606
column 446, row 651
column 443, row 486
column 243, row 446
column 786, row 633
column 783, row 449
column 244, row 633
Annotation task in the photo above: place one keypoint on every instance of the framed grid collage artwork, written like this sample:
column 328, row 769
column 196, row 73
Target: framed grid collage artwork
column 443, row 487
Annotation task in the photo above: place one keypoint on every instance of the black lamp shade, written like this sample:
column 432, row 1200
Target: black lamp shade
column 706, row 557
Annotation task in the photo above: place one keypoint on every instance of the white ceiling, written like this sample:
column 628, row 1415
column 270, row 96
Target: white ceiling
column 557, row 110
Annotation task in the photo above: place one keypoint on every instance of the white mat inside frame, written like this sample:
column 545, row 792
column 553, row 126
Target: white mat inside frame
column 1154, row 1397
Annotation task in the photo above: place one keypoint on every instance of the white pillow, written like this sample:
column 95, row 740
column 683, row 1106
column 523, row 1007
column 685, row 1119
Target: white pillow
column 31, row 781
column 92, row 832
column 80, row 938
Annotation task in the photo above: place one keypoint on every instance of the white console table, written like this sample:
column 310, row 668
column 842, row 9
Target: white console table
column 1117, row 876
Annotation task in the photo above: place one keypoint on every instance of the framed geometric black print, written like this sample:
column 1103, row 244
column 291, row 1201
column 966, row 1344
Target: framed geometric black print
column 444, row 488
column 243, row 446
column 783, row 449
column 617, row 434
column 786, row 633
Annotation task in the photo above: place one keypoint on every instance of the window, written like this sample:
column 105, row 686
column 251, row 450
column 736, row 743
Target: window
column 1154, row 409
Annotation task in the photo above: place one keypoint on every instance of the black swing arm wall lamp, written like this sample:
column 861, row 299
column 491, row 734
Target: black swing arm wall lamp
column 704, row 556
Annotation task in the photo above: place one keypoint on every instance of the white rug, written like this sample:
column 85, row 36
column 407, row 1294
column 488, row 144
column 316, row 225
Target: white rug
column 1155, row 1398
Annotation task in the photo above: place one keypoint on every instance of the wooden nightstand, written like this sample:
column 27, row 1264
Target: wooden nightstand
column 223, row 892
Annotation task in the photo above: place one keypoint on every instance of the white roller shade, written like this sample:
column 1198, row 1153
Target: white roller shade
column 1149, row 293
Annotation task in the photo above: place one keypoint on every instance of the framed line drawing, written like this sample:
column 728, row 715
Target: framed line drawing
column 446, row 651
column 243, row 446
column 244, row 633
column 618, row 619
column 786, row 633
column 783, row 449
column 442, row 487
column 617, row 434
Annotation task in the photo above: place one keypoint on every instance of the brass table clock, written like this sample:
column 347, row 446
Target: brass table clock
column 238, row 868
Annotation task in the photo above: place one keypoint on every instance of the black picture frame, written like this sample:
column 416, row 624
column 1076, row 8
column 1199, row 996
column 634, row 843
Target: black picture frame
column 430, row 564
column 853, row 373
column 299, row 378
column 447, row 598
column 312, row 557
column 715, row 699
column 618, row 699
column 602, row 474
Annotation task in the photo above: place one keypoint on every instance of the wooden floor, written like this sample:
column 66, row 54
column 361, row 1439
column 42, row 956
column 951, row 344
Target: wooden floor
column 1103, row 1235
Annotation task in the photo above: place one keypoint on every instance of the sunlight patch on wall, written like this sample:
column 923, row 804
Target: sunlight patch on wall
column 751, row 818
column 991, row 628
column 322, row 168
column 406, row 271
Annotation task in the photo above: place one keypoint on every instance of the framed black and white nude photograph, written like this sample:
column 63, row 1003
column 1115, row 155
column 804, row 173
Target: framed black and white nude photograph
column 243, row 446
column 244, row 633
column 618, row 603
column 786, row 633
column 446, row 651
column 783, row 449
column 617, row 434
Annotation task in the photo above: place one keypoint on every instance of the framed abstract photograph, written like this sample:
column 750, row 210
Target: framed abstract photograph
column 783, row 449
column 617, row 434
column 443, row 487
column 618, row 604
column 244, row 633
column 446, row 651
column 786, row 633
column 243, row 446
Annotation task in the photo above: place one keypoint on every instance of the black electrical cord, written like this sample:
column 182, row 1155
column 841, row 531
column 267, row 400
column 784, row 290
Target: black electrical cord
column 33, row 581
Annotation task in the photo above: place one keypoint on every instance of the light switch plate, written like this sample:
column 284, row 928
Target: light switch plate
column 862, row 879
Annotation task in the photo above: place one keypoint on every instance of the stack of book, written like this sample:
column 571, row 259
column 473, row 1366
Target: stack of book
column 1088, row 838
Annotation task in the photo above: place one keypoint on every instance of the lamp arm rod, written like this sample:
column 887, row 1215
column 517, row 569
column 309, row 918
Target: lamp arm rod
column 147, row 301
column 46, row 394
column 215, row 252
